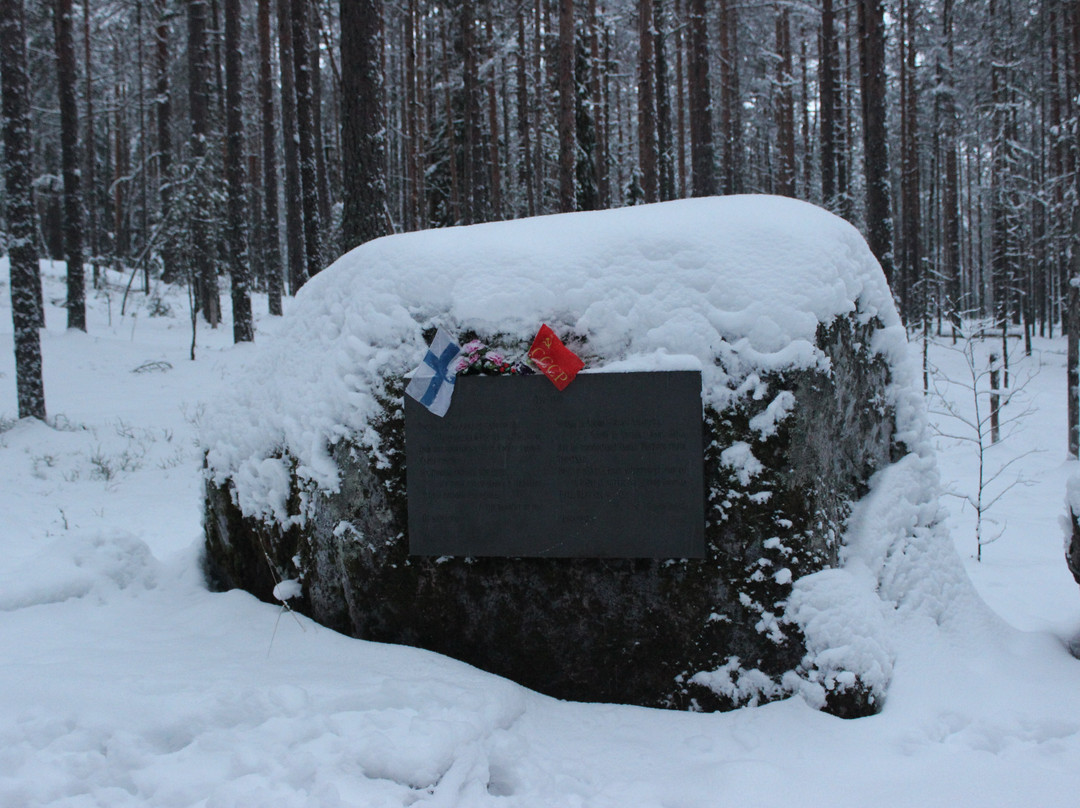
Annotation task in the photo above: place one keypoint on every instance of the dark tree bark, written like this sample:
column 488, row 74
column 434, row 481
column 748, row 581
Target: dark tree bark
column 18, row 168
column 730, row 116
column 664, row 139
column 202, row 246
column 680, row 103
column 322, row 179
column 305, row 130
column 647, row 148
column 70, row 158
column 294, row 211
column 163, row 103
column 526, row 177
column 911, row 259
column 603, row 184
column 363, row 123
column 1072, row 361
column 235, row 178
column 879, row 224
column 946, row 96
column 271, row 246
column 475, row 185
column 91, row 151
column 566, row 91
column 785, row 107
column 494, row 160
column 828, row 78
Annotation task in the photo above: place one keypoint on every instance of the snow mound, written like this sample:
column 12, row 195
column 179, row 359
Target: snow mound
column 743, row 279
column 75, row 566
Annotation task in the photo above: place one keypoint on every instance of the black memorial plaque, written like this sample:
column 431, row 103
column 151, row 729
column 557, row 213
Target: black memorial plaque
column 611, row 467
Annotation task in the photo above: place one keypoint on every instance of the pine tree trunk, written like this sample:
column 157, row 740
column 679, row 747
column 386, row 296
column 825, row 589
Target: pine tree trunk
column 879, row 223
column 702, row 159
column 322, row 179
column 91, row 152
column 680, row 103
column 203, row 248
column 565, row 83
column 828, row 85
column 785, row 107
column 305, row 130
column 294, row 211
column 18, row 168
column 494, row 161
column 69, row 156
column 235, row 178
column 271, row 246
column 163, row 104
column 363, row 123
column 647, row 148
column 915, row 293
column 664, row 144
column 950, row 194
column 603, row 184
column 526, row 177
column 730, row 118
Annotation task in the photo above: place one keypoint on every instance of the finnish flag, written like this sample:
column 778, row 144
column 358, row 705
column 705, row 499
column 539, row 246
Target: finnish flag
column 432, row 383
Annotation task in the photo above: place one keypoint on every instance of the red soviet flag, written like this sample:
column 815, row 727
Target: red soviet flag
column 554, row 359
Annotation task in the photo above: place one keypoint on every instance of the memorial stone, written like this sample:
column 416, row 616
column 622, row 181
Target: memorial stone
column 609, row 468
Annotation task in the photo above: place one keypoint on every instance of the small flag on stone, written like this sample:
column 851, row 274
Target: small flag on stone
column 432, row 383
column 554, row 359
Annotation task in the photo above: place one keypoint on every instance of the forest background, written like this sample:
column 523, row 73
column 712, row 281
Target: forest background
column 190, row 141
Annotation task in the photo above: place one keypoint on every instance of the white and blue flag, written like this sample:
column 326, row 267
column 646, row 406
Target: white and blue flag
column 432, row 383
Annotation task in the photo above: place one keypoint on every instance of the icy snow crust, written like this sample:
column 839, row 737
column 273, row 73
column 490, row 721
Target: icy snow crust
column 745, row 279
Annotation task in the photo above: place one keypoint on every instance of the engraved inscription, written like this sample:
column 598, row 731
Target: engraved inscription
column 611, row 467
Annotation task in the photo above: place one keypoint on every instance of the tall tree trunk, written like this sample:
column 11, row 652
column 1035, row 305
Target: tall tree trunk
column 730, row 117
column 1073, row 305
column 664, row 140
column 363, row 123
column 294, row 211
column 305, row 130
column 567, row 142
column 91, row 151
column 603, row 184
column 647, row 148
column 203, row 248
column 322, row 179
column 828, row 78
column 526, row 176
column 494, row 161
column 235, row 179
column 69, row 156
column 879, row 223
column 915, row 293
column 950, row 201
column 680, row 102
column 271, row 246
column 475, row 180
column 18, row 168
column 785, row 107
column 412, row 137
column 702, row 159
column 163, row 104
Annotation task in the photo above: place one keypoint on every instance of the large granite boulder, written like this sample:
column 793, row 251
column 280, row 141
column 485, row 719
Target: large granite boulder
column 778, row 304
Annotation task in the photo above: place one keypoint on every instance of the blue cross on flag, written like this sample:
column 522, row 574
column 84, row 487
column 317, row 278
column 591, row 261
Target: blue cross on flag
column 432, row 383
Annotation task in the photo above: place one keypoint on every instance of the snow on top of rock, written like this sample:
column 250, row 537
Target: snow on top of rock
column 747, row 279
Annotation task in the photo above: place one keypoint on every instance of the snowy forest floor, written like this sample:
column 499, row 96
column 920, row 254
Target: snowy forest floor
column 124, row 682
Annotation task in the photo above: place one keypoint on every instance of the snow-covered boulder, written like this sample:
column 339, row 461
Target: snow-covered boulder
column 1072, row 526
column 806, row 393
